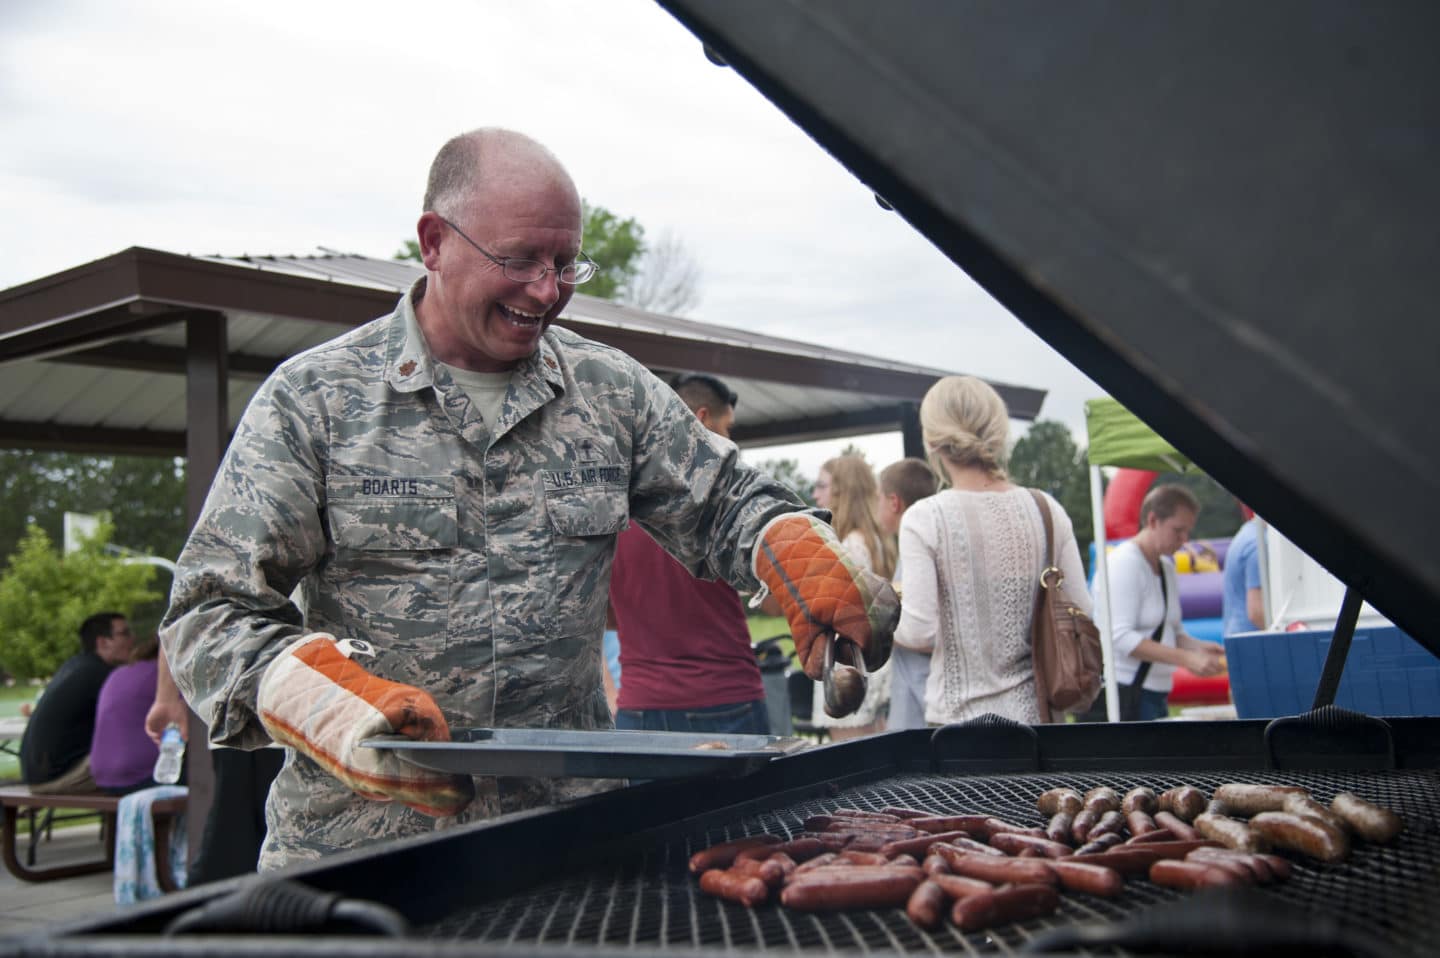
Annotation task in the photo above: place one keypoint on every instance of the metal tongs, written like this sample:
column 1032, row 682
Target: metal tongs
column 844, row 678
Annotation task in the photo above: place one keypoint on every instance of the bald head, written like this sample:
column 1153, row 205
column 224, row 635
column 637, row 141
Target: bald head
column 491, row 158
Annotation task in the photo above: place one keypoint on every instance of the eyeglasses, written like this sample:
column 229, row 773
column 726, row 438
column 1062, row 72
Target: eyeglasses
column 529, row 270
column 715, row 385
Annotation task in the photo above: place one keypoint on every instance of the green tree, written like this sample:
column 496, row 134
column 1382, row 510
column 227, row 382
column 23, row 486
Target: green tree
column 44, row 596
column 144, row 495
column 410, row 249
column 1046, row 458
column 616, row 245
column 788, row 472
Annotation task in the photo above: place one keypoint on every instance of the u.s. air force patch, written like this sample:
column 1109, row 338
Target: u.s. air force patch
column 586, row 475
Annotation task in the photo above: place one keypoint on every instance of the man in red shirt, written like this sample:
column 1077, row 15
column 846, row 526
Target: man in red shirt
column 685, row 654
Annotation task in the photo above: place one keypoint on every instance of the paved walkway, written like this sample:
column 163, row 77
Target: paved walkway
column 27, row 907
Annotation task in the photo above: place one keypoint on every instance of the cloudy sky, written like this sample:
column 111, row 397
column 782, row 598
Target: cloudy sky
column 267, row 127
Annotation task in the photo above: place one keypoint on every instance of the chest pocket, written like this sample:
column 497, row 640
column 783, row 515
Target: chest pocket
column 399, row 514
column 582, row 513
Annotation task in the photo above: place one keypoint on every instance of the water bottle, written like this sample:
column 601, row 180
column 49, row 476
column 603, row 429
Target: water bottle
column 172, row 752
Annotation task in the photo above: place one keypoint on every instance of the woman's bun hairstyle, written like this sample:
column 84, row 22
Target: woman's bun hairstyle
column 964, row 422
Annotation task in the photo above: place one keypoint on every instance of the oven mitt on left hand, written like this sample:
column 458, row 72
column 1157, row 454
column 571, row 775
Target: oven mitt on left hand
column 315, row 700
column 822, row 590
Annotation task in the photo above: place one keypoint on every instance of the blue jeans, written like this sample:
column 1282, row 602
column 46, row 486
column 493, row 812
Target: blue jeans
column 1154, row 705
column 742, row 718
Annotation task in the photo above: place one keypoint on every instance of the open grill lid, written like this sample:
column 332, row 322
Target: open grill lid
column 1226, row 214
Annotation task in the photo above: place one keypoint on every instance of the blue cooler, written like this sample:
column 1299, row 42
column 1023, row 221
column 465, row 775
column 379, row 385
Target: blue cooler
column 1386, row 673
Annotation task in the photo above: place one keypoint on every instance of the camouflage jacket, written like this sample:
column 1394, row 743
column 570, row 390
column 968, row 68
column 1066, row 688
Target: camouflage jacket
column 474, row 558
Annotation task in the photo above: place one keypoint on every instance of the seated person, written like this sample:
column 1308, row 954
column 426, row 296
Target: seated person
column 122, row 756
column 55, row 752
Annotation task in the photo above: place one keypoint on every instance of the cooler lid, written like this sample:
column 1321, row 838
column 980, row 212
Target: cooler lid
column 1227, row 214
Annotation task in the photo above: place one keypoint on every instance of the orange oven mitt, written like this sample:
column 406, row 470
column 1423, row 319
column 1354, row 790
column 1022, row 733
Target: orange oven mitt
column 822, row 590
column 315, row 700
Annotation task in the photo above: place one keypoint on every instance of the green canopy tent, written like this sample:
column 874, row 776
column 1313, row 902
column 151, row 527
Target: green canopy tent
column 1117, row 438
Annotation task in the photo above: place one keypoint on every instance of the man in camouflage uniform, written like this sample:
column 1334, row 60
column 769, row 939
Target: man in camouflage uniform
column 444, row 485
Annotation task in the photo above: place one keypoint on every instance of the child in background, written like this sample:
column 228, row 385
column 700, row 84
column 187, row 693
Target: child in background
column 902, row 484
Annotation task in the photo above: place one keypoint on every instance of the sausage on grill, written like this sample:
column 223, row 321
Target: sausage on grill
column 1102, row 842
column 1184, row 802
column 1058, row 829
column 1137, row 859
column 1250, row 800
column 1308, row 807
column 1060, row 800
column 1370, row 822
column 1230, row 832
column 918, row 846
column 1139, row 799
column 1309, row 836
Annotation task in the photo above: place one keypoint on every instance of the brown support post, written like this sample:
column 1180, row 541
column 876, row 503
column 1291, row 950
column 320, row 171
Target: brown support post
column 910, row 430
column 207, row 426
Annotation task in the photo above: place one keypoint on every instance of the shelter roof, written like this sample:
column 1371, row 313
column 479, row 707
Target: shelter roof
column 95, row 356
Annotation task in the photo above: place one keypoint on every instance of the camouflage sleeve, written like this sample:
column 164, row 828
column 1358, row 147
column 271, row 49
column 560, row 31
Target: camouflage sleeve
column 260, row 532
column 689, row 489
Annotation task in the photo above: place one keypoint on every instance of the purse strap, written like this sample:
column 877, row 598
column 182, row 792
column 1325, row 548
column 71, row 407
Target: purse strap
column 1046, row 518
column 1144, row 669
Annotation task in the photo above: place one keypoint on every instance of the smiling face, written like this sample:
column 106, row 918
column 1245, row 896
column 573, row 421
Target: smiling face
column 524, row 207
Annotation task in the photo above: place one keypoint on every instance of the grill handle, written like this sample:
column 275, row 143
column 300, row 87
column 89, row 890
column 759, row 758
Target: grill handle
column 1330, row 737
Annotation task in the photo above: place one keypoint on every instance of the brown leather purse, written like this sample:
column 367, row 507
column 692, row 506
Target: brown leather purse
column 1065, row 642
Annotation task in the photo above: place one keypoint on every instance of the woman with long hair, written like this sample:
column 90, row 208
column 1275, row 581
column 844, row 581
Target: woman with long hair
column 973, row 554
column 846, row 486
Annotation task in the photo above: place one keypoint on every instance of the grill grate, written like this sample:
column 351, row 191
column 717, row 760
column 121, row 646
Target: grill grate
column 650, row 901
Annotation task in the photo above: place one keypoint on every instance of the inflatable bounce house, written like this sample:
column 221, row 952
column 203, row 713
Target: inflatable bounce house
column 1119, row 439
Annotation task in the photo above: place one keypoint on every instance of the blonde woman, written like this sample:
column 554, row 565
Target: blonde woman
column 846, row 486
column 972, row 555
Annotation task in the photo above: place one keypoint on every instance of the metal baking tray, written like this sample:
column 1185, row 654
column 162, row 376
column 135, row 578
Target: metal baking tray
column 563, row 753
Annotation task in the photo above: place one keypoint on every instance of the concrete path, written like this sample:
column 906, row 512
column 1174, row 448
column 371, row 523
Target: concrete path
column 27, row 907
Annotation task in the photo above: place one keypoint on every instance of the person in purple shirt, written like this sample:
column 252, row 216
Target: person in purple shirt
column 122, row 756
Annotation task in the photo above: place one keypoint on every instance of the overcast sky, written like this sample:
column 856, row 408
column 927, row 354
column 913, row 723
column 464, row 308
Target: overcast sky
column 265, row 127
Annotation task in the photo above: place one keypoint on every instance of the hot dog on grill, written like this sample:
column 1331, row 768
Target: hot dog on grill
column 1004, row 905
column 826, row 889
column 1181, row 829
column 1088, row 878
column 723, row 854
column 747, row 890
column 926, row 905
column 995, row 870
column 1182, row 874
column 1013, row 843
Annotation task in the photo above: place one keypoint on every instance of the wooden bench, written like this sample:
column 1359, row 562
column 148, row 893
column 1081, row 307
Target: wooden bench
column 19, row 798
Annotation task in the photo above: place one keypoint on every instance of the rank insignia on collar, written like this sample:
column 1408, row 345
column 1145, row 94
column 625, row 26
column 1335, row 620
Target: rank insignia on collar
column 407, row 367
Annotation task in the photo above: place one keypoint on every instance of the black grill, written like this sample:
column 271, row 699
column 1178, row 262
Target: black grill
column 646, row 899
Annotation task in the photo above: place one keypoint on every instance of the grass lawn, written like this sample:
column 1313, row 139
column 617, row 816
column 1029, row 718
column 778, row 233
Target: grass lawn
column 10, row 701
column 767, row 627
